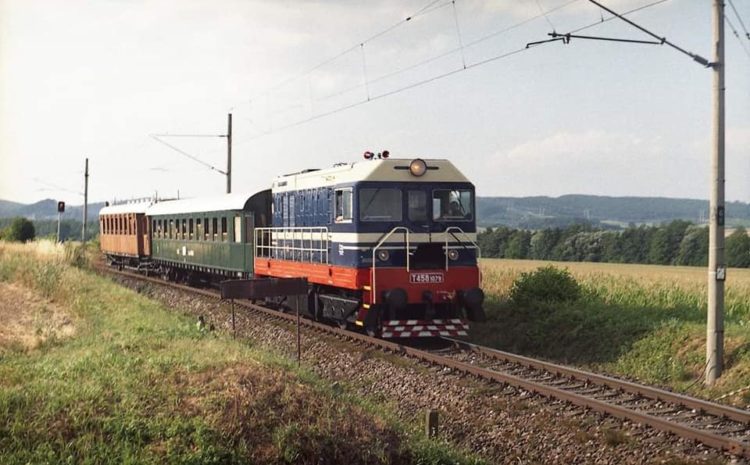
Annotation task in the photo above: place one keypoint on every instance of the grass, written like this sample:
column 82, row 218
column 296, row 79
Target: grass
column 140, row 384
column 641, row 321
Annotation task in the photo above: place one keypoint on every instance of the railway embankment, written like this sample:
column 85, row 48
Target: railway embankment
column 641, row 322
column 93, row 372
column 502, row 423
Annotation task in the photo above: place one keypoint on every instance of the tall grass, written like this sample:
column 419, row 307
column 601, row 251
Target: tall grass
column 140, row 384
column 642, row 321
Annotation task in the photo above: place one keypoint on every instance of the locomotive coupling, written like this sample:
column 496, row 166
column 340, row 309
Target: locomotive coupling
column 397, row 298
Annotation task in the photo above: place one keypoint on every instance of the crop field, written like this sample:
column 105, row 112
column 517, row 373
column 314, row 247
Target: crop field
column 641, row 321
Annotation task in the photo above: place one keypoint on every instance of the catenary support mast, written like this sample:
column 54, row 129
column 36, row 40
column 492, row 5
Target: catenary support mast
column 716, row 264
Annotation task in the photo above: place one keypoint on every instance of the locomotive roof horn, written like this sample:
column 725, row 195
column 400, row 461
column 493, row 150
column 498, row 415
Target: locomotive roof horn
column 380, row 155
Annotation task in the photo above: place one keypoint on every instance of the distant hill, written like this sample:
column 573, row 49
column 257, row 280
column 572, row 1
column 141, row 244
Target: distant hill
column 517, row 212
column 541, row 212
column 47, row 210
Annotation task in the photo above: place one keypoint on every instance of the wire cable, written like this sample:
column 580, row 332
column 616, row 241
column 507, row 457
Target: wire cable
column 739, row 18
column 737, row 35
column 452, row 51
column 458, row 33
column 539, row 5
column 184, row 153
column 697, row 58
column 604, row 20
column 439, row 76
column 428, row 8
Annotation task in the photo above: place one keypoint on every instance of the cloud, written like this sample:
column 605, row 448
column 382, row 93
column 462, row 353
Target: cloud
column 596, row 162
column 588, row 146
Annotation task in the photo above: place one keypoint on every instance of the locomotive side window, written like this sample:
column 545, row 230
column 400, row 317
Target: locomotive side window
column 343, row 202
column 452, row 205
column 417, row 205
column 380, row 204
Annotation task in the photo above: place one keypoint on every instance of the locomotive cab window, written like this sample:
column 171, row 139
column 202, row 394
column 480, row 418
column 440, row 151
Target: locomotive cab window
column 380, row 204
column 417, row 206
column 343, row 203
column 452, row 205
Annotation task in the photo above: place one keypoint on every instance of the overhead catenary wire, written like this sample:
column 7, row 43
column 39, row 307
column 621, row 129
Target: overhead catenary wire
column 458, row 33
column 452, row 51
column 604, row 20
column 188, row 135
column 186, row 154
column 663, row 40
column 428, row 8
column 53, row 187
column 539, row 5
column 737, row 35
column 436, row 77
column 739, row 18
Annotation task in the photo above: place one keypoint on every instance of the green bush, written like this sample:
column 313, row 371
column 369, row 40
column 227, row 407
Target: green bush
column 545, row 285
column 20, row 230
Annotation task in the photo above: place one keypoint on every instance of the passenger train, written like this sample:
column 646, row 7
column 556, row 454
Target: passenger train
column 387, row 245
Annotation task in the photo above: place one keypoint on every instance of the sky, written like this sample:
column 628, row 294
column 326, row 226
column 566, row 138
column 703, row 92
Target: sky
column 312, row 83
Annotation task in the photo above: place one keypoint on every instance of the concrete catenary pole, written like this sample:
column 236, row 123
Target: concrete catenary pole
column 85, row 201
column 229, row 154
column 716, row 264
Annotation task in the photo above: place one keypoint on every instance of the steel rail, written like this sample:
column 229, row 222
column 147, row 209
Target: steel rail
column 710, row 439
column 649, row 392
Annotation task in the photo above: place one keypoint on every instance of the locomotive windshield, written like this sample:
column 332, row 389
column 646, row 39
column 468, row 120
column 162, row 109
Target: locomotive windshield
column 380, row 204
column 451, row 205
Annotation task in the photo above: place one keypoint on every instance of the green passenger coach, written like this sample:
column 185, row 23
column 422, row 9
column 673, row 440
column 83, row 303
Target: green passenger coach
column 207, row 238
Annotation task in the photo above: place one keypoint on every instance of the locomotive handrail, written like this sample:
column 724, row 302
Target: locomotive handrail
column 279, row 242
column 374, row 258
column 456, row 228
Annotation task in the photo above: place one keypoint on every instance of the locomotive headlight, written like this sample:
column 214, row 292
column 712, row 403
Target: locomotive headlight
column 453, row 254
column 383, row 255
column 417, row 167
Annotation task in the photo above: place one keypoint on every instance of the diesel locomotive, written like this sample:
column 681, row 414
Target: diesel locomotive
column 387, row 245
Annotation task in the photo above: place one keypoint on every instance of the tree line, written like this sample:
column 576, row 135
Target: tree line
column 676, row 243
column 21, row 229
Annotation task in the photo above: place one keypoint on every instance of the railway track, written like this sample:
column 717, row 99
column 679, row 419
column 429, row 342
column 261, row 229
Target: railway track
column 715, row 425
